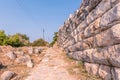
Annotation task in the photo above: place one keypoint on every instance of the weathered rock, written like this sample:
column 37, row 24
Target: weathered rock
column 82, row 45
column 91, row 29
column 101, row 56
column 16, row 78
column 78, row 46
column 105, row 72
column 105, row 56
column 111, row 16
column 11, row 55
column 1, row 65
column 0, row 49
column 108, row 37
column 88, row 55
column 116, row 73
column 23, row 59
column 21, row 53
column 77, row 55
column 114, row 55
column 90, row 4
column 105, row 38
column 100, row 10
column 37, row 50
column 29, row 64
column 92, row 68
column 7, row 75
column 30, row 50
column 20, row 60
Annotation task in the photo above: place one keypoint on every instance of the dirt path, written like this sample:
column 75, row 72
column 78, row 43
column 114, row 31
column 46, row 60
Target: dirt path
column 52, row 67
column 55, row 65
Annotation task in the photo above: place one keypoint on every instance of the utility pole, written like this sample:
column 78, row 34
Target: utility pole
column 43, row 34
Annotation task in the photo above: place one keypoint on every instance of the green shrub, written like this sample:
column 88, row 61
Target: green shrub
column 54, row 39
column 18, row 40
column 14, row 41
column 24, row 39
column 3, row 38
column 39, row 42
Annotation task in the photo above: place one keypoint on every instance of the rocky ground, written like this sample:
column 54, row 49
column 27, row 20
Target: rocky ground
column 39, row 63
column 19, row 61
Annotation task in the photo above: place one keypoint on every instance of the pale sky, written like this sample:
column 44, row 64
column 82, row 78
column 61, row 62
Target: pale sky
column 31, row 16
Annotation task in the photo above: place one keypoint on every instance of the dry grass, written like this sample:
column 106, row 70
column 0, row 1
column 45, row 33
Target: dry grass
column 76, row 69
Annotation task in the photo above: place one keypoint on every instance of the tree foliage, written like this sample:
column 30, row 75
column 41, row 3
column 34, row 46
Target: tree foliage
column 15, row 40
column 23, row 38
column 18, row 40
column 54, row 39
column 3, row 38
column 39, row 42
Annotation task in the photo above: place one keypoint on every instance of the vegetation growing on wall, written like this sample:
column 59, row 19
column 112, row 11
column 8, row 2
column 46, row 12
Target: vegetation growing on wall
column 54, row 39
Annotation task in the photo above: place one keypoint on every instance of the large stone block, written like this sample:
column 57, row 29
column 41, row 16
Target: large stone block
column 114, row 55
column 101, row 56
column 80, row 46
column 11, row 55
column 90, row 4
column 1, row 65
column 115, row 73
column 80, row 36
column 107, row 56
column 7, row 75
column 111, row 16
column 77, row 55
column 91, row 29
column 88, row 55
column 76, row 38
column 69, row 43
column 105, row 72
column 108, row 37
column 92, row 68
column 104, row 6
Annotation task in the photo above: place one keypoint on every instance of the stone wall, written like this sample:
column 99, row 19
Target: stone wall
column 92, row 35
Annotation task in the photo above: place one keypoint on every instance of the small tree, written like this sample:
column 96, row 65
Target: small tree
column 18, row 40
column 54, row 39
column 40, row 42
column 14, row 41
column 3, row 38
column 23, row 38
